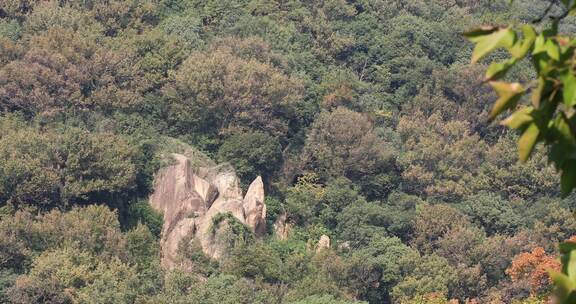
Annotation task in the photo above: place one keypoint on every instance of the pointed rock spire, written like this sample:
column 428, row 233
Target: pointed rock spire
column 254, row 207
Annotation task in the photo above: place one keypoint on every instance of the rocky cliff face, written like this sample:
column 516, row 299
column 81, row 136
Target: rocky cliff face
column 190, row 199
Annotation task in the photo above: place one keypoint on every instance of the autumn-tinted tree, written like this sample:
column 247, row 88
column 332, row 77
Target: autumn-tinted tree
column 343, row 143
column 62, row 71
column 220, row 92
column 533, row 266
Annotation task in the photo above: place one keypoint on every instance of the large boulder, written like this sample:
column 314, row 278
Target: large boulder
column 175, row 193
column 190, row 199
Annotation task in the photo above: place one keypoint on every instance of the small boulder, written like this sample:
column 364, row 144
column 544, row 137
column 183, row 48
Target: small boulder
column 281, row 227
column 323, row 243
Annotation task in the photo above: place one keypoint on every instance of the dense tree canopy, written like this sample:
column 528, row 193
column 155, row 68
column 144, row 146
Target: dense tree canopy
column 364, row 118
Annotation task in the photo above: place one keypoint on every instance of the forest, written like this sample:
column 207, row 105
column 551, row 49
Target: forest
column 365, row 119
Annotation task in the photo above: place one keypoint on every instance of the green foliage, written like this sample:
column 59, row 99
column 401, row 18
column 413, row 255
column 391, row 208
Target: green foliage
column 303, row 200
column 64, row 276
column 257, row 261
column 400, row 212
column 274, row 209
column 10, row 29
column 229, row 90
column 186, row 28
column 550, row 53
column 230, row 231
column 8, row 278
column 142, row 247
column 64, row 167
column 429, row 274
column 324, row 299
column 80, row 255
column 252, row 154
column 564, row 281
column 432, row 222
column 492, row 213
column 362, row 221
column 342, row 143
column 142, row 212
column 549, row 118
column 363, row 117
column 228, row 289
column 376, row 268
column 49, row 79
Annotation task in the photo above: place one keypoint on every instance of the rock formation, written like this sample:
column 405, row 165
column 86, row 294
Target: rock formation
column 323, row 243
column 282, row 228
column 254, row 207
column 190, row 198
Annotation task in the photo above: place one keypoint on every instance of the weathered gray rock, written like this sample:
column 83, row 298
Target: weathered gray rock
column 190, row 198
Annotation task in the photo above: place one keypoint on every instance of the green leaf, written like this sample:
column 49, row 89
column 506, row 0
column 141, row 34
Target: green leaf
column 539, row 45
column 489, row 39
column 564, row 132
column 552, row 49
column 479, row 32
column 543, row 64
column 569, row 88
column 566, row 247
column 538, row 92
column 527, row 141
column 497, row 70
column 521, row 48
column 508, row 96
column 519, row 118
column 570, row 264
column 564, row 285
column 568, row 177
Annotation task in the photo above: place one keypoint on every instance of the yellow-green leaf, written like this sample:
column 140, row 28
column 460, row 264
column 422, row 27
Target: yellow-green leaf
column 519, row 118
column 569, row 88
column 552, row 49
column 497, row 70
column 527, row 141
column 508, row 96
column 539, row 45
column 570, row 264
column 564, row 285
column 538, row 92
column 490, row 40
column 521, row 48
